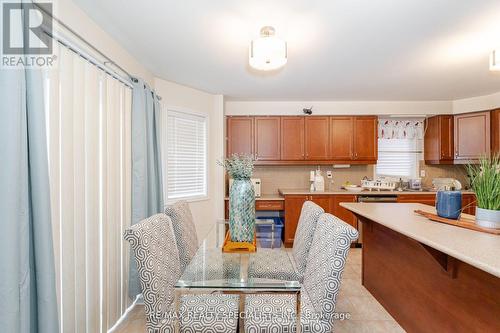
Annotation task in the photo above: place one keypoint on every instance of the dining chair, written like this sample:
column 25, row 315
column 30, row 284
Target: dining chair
column 184, row 230
column 322, row 280
column 265, row 263
column 157, row 257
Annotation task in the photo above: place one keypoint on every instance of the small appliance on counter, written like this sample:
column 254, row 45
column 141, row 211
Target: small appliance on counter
column 319, row 181
column 256, row 186
column 415, row 184
column 446, row 184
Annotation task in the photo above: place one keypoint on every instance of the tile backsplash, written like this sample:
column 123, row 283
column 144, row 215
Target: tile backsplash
column 297, row 177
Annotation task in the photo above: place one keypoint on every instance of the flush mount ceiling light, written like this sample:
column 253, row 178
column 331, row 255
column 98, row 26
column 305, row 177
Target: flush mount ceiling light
column 495, row 60
column 267, row 52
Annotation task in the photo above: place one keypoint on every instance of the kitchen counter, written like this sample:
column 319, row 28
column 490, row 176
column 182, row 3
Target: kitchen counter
column 431, row 277
column 478, row 249
column 266, row 198
column 364, row 192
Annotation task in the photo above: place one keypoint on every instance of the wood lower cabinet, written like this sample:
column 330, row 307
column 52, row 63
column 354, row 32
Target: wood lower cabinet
column 426, row 199
column 260, row 205
column 267, row 138
column 438, row 140
column 317, row 138
column 292, row 139
column 341, row 212
column 469, row 204
column 293, row 207
column 365, row 138
column 240, row 135
column 472, row 136
column 495, row 131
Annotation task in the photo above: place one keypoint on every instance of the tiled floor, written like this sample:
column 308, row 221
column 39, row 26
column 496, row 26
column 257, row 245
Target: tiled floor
column 367, row 315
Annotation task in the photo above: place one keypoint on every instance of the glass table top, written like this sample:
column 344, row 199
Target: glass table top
column 212, row 269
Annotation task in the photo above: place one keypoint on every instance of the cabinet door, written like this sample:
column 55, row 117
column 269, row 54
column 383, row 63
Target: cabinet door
column 426, row 199
column 472, row 136
column 293, row 207
column 323, row 201
column 365, row 138
column 317, row 138
column 495, row 131
column 469, row 204
column 432, row 141
column 342, row 213
column 341, row 138
column 446, row 139
column 292, row 138
column 240, row 135
column 267, row 138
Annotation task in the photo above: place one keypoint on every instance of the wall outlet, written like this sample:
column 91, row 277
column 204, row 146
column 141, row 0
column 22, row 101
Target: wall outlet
column 422, row 173
column 329, row 174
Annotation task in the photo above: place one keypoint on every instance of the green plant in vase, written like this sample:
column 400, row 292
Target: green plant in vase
column 241, row 197
column 485, row 182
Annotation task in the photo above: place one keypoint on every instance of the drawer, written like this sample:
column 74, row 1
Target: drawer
column 269, row 205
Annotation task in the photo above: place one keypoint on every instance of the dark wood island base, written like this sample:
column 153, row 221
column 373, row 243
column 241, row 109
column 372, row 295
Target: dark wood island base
column 426, row 290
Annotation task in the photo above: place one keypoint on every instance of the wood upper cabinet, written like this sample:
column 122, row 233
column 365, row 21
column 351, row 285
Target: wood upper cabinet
column 438, row 140
column 342, row 213
column 240, row 135
column 365, row 138
column 341, row 138
column 267, row 138
column 472, row 136
column 292, row 138
column 317, row 138
column 495, row 131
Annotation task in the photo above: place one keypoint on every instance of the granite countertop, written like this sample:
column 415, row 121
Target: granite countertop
column 364, row 192
column 478, row 249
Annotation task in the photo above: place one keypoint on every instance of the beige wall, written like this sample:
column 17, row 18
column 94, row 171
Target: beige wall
column 337, row 107
column 479, row 103
column 182, row 98
column 71, row 15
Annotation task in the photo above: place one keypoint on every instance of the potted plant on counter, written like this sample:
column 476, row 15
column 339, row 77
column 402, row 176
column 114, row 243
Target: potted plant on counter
column 241, row 198
column 485, row 182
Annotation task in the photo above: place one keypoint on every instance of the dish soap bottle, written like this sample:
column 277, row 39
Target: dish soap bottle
column 319, row 181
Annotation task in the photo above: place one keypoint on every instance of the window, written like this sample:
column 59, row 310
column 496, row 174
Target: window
column 398, row 157
column 186, row 156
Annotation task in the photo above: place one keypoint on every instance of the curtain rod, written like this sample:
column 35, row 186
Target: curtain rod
column 107, row 61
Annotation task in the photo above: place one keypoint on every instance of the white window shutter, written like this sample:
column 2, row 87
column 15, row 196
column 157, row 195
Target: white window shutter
column 398, row 157
column 186, row 156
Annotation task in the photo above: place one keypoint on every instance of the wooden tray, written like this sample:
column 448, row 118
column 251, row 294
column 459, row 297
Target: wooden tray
column 463, row 222
column 239, row 247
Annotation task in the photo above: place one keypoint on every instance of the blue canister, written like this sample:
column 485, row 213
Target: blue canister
column 449, row 204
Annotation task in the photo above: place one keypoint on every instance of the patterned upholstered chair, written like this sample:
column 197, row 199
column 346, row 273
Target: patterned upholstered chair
column 322, row 278
column 265, row 263
column 153, row 243
column 185, row 231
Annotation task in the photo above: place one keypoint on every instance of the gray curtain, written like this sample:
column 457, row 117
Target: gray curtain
column 147, row 188
column 28, row 301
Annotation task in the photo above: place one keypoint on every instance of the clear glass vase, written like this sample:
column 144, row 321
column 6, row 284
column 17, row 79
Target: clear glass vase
column 242, row 211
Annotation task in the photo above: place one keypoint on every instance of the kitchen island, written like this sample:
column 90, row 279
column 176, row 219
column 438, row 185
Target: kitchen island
column 429, row 276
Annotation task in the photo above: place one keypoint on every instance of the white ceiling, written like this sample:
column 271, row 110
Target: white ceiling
column 337, row 49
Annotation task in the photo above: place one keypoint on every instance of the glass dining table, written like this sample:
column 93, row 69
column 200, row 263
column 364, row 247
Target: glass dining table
column 213, row 271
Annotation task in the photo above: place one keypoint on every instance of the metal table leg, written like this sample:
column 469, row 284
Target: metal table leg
column 298, row 313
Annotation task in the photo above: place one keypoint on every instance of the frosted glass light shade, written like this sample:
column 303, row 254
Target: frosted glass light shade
column 267, row 52
column 495, row 60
